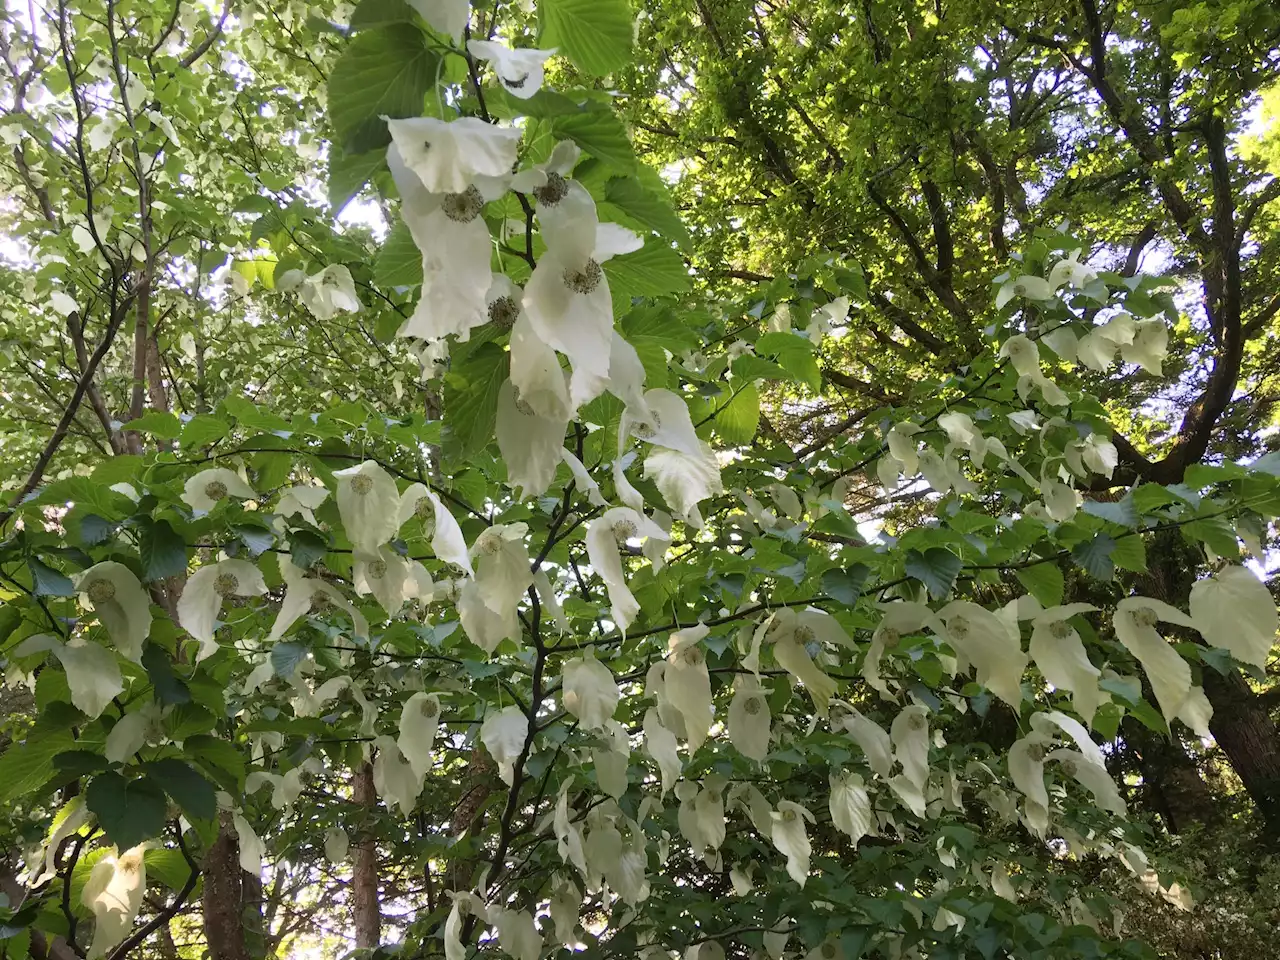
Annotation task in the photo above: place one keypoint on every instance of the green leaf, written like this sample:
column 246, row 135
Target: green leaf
column 129, row 811
column 306, row 548
column 163, row 552
column 158, row 423
column 169, row 687
column 601, row 134
column 285, row 657
column 654, row 331
column 648, row 207
column 189, row 789
column 256, row 539
column 78, row 763
column 168, row 866
column 1095, row 556
column 348, row 172
column 937, row 568
column 543, row 105
column 595, row 34
column 380, row 13
column 28, row 765
column 48, row 582
column 736, row 421
column 794, row 354
column 202, row 430
column 1122, row 511
column 1130, row 553
column 652, row 271
column 471, row 399
column 386, row 71
column 1043, row 581
column 846, row 585
column 219, row 758
column 399, row 261
column 750, row 367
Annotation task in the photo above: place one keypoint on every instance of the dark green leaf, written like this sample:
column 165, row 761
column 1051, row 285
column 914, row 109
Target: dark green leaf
column 169, row 688
column 471, row 399
column 285, row 657
column 47, row 582
column 257, row 539
column 189, row 790
column 595, row 34
column 846, row 585
column 386, row 71
column 306, row 548
column 219, row 758
column 163, row 552
column 937, row 568
column 1095, row 556
column 129, row 811
column 73, row 764
column 1043, row 581
column 381, row 13
column 94, row 529
column 349, row 172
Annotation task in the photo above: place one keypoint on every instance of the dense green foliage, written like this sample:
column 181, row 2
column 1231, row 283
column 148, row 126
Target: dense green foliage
column 798, row 482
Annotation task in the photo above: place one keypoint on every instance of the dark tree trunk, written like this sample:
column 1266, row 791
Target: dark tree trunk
column 366, row 911
column 223, row 895
column 1250, row 740
column 1171, row 781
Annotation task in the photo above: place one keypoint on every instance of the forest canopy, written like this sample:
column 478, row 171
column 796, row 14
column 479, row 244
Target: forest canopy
column 681, row 479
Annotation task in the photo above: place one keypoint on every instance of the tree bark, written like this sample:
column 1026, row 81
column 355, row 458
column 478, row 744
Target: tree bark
column 1250, row 740
column 223, row 895
column 1171, row 781
column 367, row 913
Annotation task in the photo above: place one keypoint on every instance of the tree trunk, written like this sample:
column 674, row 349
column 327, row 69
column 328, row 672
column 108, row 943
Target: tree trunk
column 223, row 895
column 1250, row 740
column 367, row 913
column 1171, row 780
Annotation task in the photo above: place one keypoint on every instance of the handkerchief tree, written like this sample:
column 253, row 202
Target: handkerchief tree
column 570, row 651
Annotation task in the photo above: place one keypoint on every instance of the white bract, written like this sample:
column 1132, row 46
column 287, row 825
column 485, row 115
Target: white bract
column 449, row 156
column 203, row 491
column 1234, row 610
column 114, row 891
column 519, row 71
column 329, row 292
column 203, row 596
column 111, row 590
column 503, row 734
column 590, row 692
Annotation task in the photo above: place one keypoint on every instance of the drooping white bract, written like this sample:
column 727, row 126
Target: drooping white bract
column 625, row 379
column 1060, row 655
column 1060, row 500
column 1093, row 777
column 1235, row 611
column 687, row 684
column 204, row 490
column 565, row 208
column 909, row 734
column 567, row 298
column 336, row 845
column 393, row 776
column 582, row 479
column 850, row 805
column 449, row 155
column 517, row 933
column 791, row 631
column 447, row 16
column 369, row 505
column 503, row 734
column 252, row 849
column 111, row 591
column 1070, row 270
column 660, row 744
column 1149, row 346
column 1100, row 455
column 330, row 292
column 385, row 574
column 536, row 374
column 93, row 675
column 285, row 789
column 791, row 839
column 439, row 524
column 568, row 832
column 1026, row 769
column 502, row 567
column 684, row 480
column 900, row 617
column 1023, row 354
column 1135, row 625
column 301, row 501
column 611, row 761
column 749, row 719
column 980, row 638
column 419, row 721
column 1026, row 285
column 133, row 731
column 464, row 905
column 520, row 71
column 202, row 597
column 304, row 595
column 590, row 692
column 605, row 535
column 531, row 444
column 114, row 892
column 874, row 741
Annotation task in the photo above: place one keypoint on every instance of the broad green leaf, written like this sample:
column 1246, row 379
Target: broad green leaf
column 162, row 550
column 348, row 172
column 1095, row 556
column 170, row 867
column 189, row 790
column 601, row 134
column 28, row 764
column 654, row 332
column 202, row 430
column 1130, row 553
column 738, row 415
column 158, row 423
column 648, row 207
column 399, row 262
column 129, row 811
column 1122, row 511
column 219, row 758
column 286, row 656
column 595, row 34
column 794, row 354
column 386, row 71
column 1043, row 581
column 846, row 585
column 381, row 13
column 652, row 271
column 937, row 568
column 169, row 688
column 471, row 400
column 750, row 367
column 48, row 582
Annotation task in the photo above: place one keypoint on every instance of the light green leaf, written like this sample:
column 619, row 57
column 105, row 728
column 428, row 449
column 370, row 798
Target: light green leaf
column 737, row 419
column 648, row 207
column 384, row 72
column 652, row 271
column 202, row 430
column 601, row 134
column 471, row 399
column 1122, row 511
column 1130, row 553
column 794, row 354
column 1043, row 581
column 348, row 172
column 27, row 765
column 595, row 34
column 381, row 13
column 158, row 423
column 399, row 262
